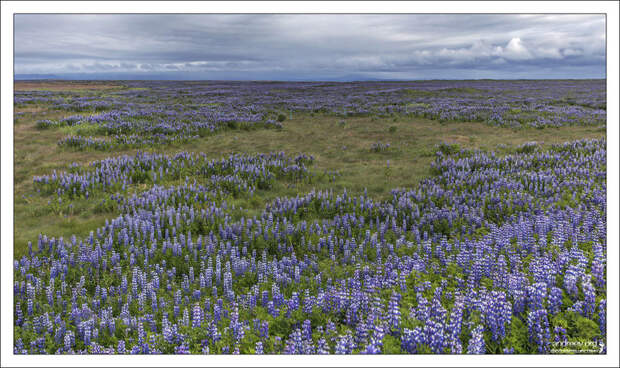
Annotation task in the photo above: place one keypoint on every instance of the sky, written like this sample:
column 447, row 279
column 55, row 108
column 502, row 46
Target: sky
column 309, row 46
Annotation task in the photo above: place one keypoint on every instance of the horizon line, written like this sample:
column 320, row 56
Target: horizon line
column 300, row 80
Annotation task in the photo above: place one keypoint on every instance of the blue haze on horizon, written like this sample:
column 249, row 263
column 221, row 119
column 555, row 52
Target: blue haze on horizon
column 309, row 47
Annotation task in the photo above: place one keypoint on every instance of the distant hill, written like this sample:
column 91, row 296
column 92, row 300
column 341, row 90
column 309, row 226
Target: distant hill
column 36, row 76
column 177, row 76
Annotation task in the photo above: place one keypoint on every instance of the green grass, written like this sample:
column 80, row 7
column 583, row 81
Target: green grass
column 82, row 129
column 336, row 147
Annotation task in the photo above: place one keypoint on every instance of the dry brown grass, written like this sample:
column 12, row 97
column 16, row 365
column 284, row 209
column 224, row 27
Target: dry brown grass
column 30, row 109
column 458, row 139
column 63, row 85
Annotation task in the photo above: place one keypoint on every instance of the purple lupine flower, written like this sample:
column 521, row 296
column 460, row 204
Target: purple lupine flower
column 264, row 330
column 307, row 330
column 559, row 334
column 345, row 344
column 394, row 313
column 412, row 340
column 69, row 340
column 182, row 349
column 589, row 298
column 258, row 348
column 496, row 313
column 294, row 345
column 434, row 332
column 555, row 300
column 272, row 309
column 322, row 347
column 476, row 342
column 120, row 349
column 361, row 333
column 536, row 295
column 196, row 316
column 538, row 326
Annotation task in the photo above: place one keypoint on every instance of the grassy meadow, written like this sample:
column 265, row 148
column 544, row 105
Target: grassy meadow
column 340, row 145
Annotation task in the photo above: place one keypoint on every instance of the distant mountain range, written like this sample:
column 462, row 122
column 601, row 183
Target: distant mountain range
column 189, row 76
column 230, row 77
column 36, row 76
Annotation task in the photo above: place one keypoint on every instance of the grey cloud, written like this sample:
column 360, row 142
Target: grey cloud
column 312, row 46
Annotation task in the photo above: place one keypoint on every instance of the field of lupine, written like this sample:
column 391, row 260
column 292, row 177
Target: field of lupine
column 173, row 231
column 176, row 113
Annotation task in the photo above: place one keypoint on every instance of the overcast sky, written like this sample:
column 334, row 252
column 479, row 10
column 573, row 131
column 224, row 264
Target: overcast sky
column 311, row 47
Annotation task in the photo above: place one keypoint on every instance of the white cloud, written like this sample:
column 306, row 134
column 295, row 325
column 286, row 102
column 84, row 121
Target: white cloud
column 515, row 50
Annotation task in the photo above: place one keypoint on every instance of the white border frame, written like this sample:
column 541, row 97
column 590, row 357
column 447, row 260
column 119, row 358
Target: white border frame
column 9, row 8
